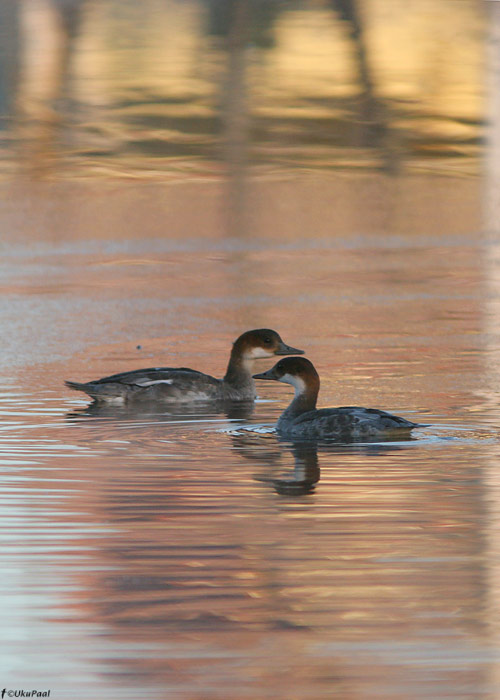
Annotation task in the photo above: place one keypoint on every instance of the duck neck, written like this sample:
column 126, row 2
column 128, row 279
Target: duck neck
column 304, row 400
column 239, row 371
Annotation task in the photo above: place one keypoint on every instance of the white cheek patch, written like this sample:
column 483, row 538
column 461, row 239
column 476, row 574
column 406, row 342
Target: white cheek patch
column 259, row 353
column 297, row 382
column 151, row 382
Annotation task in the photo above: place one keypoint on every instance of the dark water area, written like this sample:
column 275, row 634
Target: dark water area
column 172, row 175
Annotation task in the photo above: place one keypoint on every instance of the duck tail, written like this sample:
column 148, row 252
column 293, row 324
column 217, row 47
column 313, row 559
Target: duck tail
column 77, row 386
column 109, row 392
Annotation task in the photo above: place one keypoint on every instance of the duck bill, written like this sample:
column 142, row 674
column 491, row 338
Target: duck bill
column 284, row 349
column 265, row 375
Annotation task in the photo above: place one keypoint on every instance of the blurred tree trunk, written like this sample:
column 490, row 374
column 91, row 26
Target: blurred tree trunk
column 235, row 116
column 375, row 130
column 492, row 151
column 9, row 57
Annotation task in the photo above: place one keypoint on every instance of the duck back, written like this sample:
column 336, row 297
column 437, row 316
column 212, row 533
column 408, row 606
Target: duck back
column 344, row 423
column 168, row 384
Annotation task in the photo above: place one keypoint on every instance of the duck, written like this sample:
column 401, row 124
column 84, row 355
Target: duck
column 185, row 385
column 303, row 420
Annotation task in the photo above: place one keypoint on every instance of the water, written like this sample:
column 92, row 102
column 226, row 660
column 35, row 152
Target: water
column 191, row 554
column 194, row 555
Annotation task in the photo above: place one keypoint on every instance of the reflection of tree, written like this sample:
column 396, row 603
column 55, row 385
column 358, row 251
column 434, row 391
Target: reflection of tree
column 238, row 31
column 239, row 23
column 372, row 113
column 492, row 154
column 9, row 56
column 260, row 17
column 347, row 10
column 44, row 94
column 235, row 113
column 70, row 17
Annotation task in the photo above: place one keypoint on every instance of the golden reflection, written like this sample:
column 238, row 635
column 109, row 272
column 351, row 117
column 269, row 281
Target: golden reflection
column 111, row 87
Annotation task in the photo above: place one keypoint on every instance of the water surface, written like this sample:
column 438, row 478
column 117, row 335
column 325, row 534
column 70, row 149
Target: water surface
column 190, row 553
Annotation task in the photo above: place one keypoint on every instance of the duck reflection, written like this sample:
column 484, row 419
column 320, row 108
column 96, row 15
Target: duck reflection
column 158, row 411
column 304, row 476
column 295, row 482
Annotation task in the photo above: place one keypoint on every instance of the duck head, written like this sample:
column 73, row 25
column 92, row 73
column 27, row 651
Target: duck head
column 297, row 371
column 261, row 343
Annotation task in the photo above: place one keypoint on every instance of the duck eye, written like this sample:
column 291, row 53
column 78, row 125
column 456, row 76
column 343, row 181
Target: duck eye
column 267, row 341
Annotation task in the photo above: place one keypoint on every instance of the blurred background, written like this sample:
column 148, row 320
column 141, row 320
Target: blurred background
column 172, row 173
column 237, row 93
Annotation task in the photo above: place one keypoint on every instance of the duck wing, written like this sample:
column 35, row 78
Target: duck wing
column 151, row 374
column 348, row 422
column 382, row 418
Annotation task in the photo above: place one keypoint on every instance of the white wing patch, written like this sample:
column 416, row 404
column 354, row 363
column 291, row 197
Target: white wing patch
column 151, row 382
